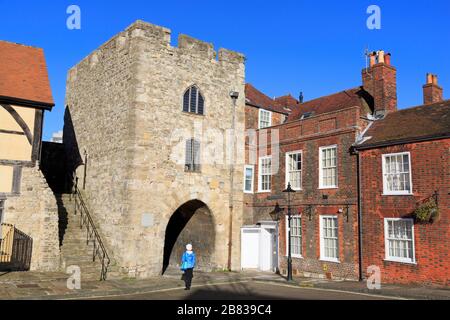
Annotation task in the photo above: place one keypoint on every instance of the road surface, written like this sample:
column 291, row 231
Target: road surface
column 246, row 291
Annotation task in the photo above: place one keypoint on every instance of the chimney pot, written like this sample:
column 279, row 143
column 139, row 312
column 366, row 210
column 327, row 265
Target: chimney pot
column 429, row 78
column 372, row 59
column 387, row 59
column 435, row 79
column 381, row 56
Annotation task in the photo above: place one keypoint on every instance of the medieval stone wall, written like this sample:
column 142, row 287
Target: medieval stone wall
column 35, row 214
column 125, row 103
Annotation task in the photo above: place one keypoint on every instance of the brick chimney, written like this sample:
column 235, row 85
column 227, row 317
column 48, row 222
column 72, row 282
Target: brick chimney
column 432, row 92
column 380, row 80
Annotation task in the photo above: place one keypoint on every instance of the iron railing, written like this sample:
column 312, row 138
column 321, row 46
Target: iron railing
column 92, row 234
column 15, row 249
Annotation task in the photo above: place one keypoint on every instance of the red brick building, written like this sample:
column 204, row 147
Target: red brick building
column 316, row 155
column 405, row 169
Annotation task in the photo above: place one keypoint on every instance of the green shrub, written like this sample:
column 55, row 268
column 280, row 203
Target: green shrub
column 427, row 212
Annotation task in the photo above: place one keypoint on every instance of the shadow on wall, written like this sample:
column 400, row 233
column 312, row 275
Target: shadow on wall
column 192, row 223
column 72, row 151
column 63, row 219
column 15, row 250
column 53, row 166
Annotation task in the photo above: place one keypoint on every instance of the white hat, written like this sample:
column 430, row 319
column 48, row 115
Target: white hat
column 189, row 247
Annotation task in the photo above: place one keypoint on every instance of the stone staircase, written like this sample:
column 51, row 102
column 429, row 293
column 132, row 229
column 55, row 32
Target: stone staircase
column 75, row 250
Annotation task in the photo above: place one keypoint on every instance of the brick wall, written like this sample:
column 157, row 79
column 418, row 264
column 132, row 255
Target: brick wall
column 252, row 117
column 336, row 128
column 430, row 173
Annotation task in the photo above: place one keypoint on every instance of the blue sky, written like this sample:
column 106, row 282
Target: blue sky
column 311, row 46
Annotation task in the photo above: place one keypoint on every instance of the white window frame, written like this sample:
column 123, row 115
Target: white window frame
column 261, row 111
column 385, row 184
column 321, row 185
column 299, row 256
column 287, row 177
column 253, row 178
column 386, row 242
column 260, row 182
column 322, row 243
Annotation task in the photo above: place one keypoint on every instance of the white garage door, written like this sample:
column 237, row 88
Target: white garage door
column 250, row 248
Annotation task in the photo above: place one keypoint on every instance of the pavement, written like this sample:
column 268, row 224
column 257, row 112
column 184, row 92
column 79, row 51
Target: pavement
column 207, row 286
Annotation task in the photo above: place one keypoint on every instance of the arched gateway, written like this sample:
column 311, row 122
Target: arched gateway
column 191, row 223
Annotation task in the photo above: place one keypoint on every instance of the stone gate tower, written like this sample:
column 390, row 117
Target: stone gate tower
column 147, row 131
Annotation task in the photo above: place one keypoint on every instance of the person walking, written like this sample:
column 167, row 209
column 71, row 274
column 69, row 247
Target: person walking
column 188, row 262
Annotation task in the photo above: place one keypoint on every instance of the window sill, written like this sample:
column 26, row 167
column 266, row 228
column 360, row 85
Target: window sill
column 328, row 188
column 392, row 260
column 398, row 194
column 262, row 192
column 193, row 114
column 330, row 260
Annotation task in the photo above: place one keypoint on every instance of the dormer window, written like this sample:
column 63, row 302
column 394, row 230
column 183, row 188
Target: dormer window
column 307, row 115
column 193, row 101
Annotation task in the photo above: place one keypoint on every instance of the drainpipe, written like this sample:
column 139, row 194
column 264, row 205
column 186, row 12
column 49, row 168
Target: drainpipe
column 360, row 240
column 234, row 96
column 360, row 139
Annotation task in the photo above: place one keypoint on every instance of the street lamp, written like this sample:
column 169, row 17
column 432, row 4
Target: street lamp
column 289, row 190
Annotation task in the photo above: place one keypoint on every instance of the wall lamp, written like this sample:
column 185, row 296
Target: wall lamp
column 346, row 212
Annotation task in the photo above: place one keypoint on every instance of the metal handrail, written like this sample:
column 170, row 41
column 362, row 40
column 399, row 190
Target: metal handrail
column 91, row 232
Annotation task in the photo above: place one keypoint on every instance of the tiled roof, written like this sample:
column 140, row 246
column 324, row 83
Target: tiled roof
column 258, row 99
column 424, row 122
column 23, row 74
column 287, row 101
column 338, row 101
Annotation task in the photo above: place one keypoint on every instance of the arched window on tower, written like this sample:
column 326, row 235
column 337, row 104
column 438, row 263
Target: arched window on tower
column 193, row 101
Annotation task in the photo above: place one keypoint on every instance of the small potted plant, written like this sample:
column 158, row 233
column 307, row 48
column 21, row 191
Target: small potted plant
column 427, row 212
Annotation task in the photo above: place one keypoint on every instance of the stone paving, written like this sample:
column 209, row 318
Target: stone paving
column 53, row 286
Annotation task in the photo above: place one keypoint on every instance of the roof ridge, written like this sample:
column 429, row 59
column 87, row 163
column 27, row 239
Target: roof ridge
column 21, row 44
column 423, row 105
column 285, row 96
column 331, row 94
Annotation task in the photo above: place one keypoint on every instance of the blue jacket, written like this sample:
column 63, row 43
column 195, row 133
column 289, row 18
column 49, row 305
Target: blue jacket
column 188, row 261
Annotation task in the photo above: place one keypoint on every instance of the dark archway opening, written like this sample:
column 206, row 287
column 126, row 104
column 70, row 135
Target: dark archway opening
column 191, row 223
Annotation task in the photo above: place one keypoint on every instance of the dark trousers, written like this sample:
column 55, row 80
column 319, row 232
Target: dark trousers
column 188, row 275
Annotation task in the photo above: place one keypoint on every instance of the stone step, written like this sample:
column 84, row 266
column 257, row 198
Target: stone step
column 82, row 253
column 81, row 256
column 75, row 251
column 74, row 240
